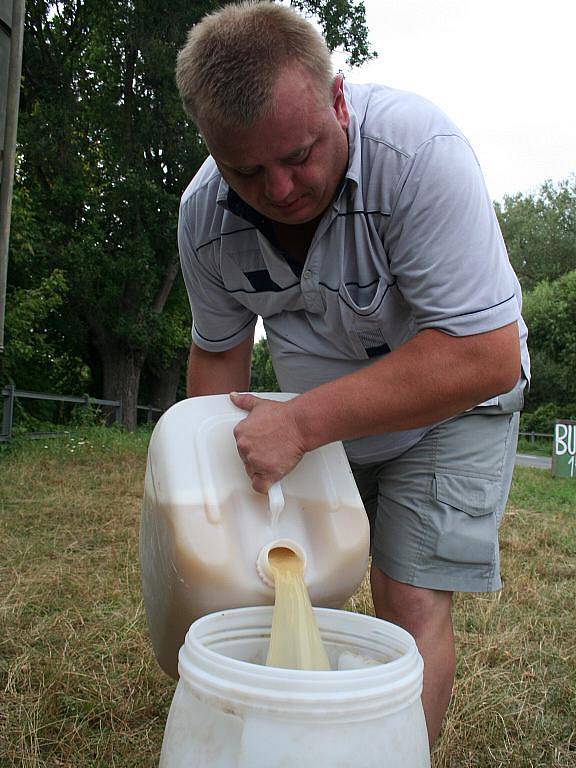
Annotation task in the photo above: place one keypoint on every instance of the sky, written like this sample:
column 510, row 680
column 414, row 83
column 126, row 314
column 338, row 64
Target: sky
column 503, row 70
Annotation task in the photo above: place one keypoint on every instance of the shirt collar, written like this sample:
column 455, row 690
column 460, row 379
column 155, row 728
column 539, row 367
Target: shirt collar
column 354, row 171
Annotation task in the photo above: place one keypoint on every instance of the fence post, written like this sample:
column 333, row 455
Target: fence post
column 532, row 437
column 8, row 410
column 119, row 412
column 149, row 416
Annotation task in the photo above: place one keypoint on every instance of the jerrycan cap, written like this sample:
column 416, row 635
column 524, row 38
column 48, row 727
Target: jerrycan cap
column 263, row 564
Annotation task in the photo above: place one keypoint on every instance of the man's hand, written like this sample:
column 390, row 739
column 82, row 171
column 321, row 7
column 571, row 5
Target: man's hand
column 268, row 440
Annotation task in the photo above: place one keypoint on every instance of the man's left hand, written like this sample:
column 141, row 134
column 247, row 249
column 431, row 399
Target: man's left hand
column 268, row 440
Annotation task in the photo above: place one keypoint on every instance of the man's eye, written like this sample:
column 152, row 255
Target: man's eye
column 301, row 157
column 246, row 171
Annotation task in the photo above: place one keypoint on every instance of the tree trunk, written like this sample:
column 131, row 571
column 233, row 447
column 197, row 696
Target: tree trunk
column 122, row 367
column 121, row 379
column 164, row 382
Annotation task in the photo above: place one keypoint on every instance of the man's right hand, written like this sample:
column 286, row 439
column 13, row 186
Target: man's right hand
column 268, row 440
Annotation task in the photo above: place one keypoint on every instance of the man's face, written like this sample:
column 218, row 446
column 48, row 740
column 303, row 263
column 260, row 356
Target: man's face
column 287, row 166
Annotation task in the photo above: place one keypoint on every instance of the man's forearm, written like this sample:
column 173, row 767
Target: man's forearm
column 212, row 373
column 430, row 378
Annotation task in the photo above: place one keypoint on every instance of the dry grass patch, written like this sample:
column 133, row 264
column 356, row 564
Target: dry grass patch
column 514, row 702
column 79, row 683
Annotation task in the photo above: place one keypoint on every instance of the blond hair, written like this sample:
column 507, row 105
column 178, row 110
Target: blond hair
column 227, row 70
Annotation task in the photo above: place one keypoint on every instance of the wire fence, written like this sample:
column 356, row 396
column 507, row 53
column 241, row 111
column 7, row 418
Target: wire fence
column 10, row 394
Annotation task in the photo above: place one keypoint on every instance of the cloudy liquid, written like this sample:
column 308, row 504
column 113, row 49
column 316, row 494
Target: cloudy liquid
column 295, row 641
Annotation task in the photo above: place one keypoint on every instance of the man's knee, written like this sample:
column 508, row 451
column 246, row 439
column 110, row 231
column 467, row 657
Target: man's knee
column 416, row 609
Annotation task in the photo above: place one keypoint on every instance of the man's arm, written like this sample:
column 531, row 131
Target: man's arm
column 430, row 378
column 213, row 373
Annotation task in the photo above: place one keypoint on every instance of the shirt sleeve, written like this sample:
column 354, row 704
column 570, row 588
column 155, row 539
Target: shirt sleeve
column 219, row 322
column 444, row 243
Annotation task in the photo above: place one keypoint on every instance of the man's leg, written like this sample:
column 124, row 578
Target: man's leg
column 434, row 514
column 426, row 614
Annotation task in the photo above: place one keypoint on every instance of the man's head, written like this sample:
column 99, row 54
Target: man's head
column 257, row 80
column 228, row 68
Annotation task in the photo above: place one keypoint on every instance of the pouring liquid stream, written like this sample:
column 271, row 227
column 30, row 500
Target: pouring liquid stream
column 295, row 641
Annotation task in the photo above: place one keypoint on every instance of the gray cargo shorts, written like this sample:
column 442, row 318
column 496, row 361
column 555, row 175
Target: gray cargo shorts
column 435, row 510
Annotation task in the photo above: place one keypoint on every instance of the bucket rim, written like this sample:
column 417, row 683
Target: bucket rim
column 353, row 693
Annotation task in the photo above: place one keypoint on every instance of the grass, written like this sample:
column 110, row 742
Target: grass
column 515, row 697
column 80, row 685
column 540, row 447
column 78, row 680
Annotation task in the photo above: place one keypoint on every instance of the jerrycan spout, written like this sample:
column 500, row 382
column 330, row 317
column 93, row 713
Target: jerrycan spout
column 263, row 563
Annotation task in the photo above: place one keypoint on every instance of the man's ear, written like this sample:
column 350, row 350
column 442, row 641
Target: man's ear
column 339, row 101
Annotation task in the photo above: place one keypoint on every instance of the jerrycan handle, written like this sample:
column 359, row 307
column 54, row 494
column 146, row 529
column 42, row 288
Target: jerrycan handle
column 276, row 502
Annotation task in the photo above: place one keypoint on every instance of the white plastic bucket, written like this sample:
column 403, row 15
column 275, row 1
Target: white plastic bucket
column 230, row 711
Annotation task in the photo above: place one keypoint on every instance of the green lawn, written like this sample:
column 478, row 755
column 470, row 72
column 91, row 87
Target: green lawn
column 80, row 686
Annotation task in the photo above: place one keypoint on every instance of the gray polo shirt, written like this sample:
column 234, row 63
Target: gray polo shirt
column 410, row 242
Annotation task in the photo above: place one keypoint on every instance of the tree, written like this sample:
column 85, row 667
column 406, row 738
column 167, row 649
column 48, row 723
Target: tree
column 106, row 153
column 36, row 302
column 550, row 313
column 343, row 24
column 263, row 378
column 540, row 232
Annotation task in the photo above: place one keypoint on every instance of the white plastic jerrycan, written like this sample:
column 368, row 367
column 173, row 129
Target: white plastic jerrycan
column 205, row 533
column 231, row 711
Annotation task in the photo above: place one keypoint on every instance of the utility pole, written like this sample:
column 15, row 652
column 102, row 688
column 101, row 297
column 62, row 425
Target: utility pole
column 11, row 42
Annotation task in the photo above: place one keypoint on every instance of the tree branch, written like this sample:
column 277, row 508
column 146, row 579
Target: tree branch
column 166, row 286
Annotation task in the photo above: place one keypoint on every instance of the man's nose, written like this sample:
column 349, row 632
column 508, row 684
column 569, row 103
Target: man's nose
column 278, row 184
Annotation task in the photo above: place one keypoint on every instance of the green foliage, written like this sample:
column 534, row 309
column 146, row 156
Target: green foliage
column 29, row 310
column 540, row 232
column 106, row 152
column 542, row 420
column 24, row 421
column 343, row 25
column 174, row 324
column 34, row 356
column 550, row 313
column 263, row 378
column 541, row 446
column 87, row 416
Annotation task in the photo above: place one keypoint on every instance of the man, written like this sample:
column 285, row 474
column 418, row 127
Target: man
column 355, row 221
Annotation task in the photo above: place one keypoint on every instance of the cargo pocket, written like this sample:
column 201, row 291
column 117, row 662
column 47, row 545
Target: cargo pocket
column 467, row 522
